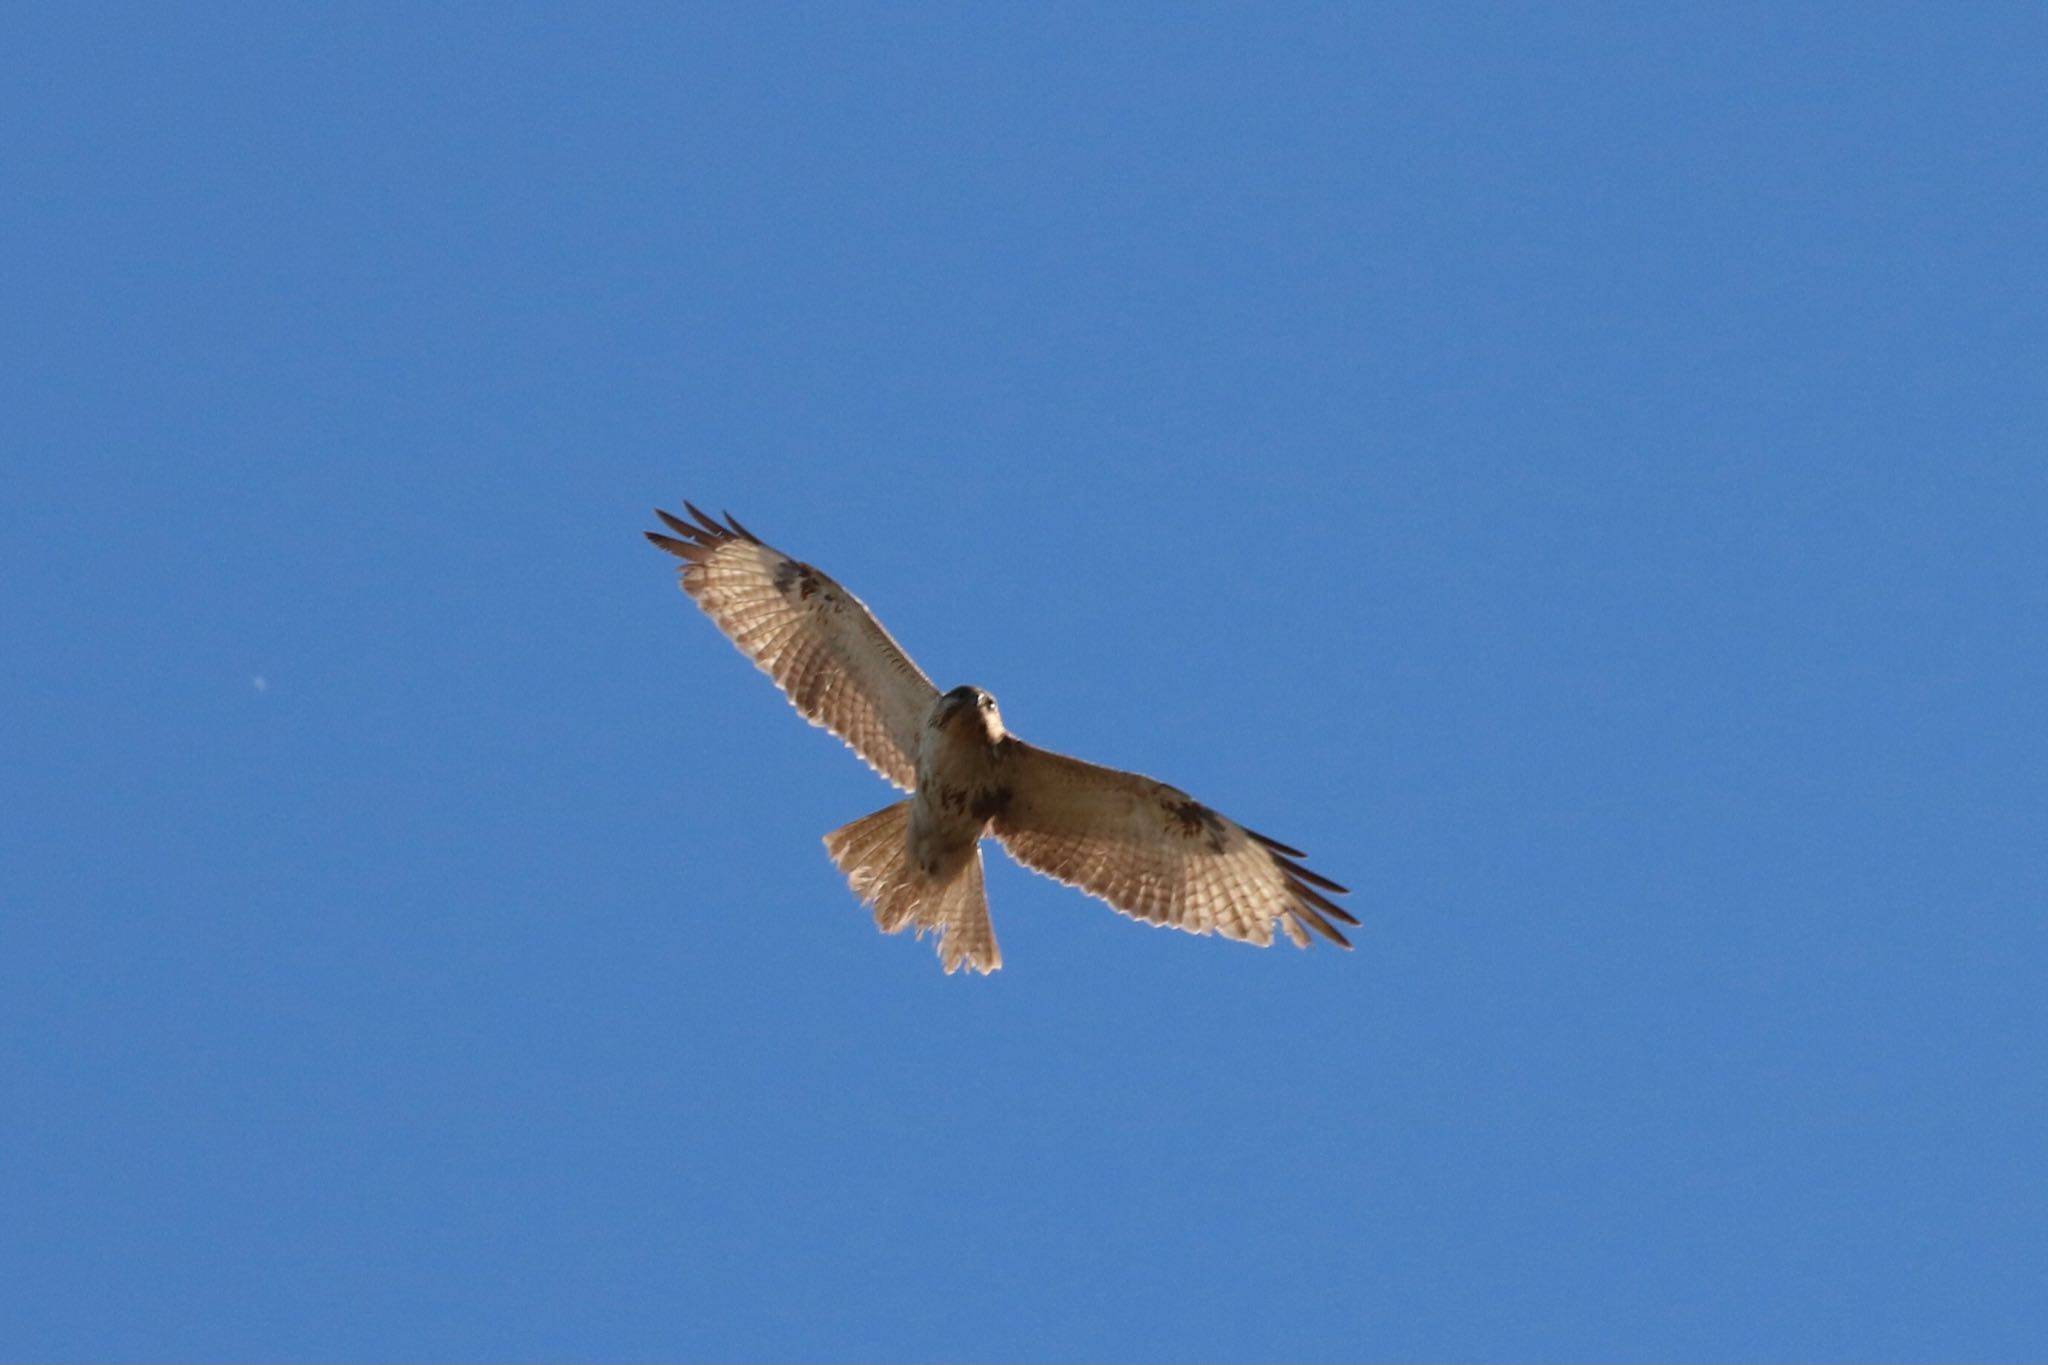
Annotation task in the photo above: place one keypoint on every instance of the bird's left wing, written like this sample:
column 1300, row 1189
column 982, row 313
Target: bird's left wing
column 817, row 640
column 1157, row 854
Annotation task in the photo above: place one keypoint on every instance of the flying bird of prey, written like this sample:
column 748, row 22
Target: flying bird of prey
column 1150, row 850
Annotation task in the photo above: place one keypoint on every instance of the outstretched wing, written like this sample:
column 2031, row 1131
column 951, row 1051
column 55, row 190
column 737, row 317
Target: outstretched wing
column 816, row 639
column 1157, row 854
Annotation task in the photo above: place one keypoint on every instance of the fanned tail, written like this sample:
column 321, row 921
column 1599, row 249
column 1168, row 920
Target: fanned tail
column 874, row 853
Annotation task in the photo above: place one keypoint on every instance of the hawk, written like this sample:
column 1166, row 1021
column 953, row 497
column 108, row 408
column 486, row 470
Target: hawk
column 1150, row 850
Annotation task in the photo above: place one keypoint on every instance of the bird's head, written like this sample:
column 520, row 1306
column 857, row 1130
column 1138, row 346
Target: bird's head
column 972, row 706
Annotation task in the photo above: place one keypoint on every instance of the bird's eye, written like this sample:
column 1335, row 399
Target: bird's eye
column 988, row 703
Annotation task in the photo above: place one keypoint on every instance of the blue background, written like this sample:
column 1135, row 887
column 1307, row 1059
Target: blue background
column 1582, row 474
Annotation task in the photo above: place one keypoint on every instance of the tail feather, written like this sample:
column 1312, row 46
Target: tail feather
column 874, row 853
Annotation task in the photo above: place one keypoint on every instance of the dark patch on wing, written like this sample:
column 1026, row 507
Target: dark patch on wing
column 991, row 803
column 1193, row 820
column 794, row 576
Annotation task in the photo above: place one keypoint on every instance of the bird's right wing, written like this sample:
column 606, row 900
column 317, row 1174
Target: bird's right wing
column 814, row 638
column 1157, row 854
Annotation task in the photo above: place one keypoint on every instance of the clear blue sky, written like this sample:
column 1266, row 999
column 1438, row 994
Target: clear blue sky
column 1581, row 474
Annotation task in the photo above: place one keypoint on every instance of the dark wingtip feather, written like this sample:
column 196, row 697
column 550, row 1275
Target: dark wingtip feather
column 741, row 531
column 1308, row 916
column 1297, row 870
column 677, row 524
column 1311, row 896
column 1276, row 845
column 707, row 525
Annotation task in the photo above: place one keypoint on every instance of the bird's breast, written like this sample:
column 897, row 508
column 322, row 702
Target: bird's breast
column 960, row 788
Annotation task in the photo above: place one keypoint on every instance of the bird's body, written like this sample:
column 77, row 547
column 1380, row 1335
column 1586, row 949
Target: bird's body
column 961, row 781
column 1148, row 849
